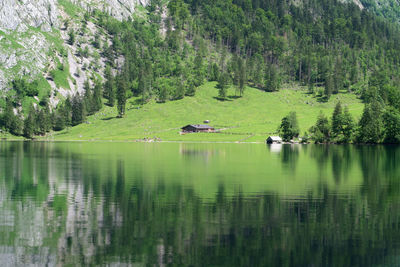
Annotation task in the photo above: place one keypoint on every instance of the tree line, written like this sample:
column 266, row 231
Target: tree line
column 329, row 46
column 378, row 124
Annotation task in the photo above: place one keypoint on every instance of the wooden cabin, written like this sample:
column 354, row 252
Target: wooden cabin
column 197, row 128
column 274, row 140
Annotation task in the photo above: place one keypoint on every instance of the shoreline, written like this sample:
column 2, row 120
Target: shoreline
column 177, row 142
column 129, row 141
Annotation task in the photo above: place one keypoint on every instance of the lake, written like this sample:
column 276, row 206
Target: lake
column 181, row 204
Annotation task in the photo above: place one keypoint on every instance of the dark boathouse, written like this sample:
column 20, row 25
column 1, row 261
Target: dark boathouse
column 196, row 128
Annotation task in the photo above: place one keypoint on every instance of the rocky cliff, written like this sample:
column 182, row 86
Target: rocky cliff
column 33, row 38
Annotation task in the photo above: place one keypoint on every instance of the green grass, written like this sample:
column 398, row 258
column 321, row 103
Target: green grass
column 60, row 77
column 44, row 87
column 248, row 119
column 69, row 8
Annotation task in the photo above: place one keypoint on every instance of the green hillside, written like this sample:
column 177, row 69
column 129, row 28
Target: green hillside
column 248, row 119
column 179, row 50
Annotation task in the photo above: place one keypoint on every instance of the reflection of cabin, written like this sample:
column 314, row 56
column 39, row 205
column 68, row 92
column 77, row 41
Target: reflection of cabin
column 274, row 140
column 195, row 128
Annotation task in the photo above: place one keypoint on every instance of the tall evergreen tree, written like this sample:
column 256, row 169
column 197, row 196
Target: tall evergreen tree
column 348, row 125
column 272, row 80
column 78, row 110
column 121, row 96
column 391, row 122
column 320, row 132
column 370, row 124
column 97, row 103
column 29, row 124
column 242, row 76
column 109, row 86
column 328, row 85
column 289, row 127
column 222, row 85
column 12, row 122
column 337, row 120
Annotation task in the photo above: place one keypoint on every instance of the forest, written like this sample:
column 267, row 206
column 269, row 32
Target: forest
column 328, row 46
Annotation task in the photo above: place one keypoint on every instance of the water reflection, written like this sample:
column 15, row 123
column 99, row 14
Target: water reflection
column 156, row 204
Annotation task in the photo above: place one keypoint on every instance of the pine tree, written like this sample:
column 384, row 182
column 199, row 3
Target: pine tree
column 348, row 125
column 242, row 76
column 109, row 87
column 97, row 103
column 337, row 120
column 59, row 119
column 285, row 129
column 67, row 112
column 370, row 124
column 47, row 124
column 190, row 88
column 12, row 122
column 328, row 85
column 289, row 127
column 78, row 110
column 338, row 77
column 198, row 70
column 121, row 96
column 29, row 124
column 214, row 75
column 272, row 82
column 8, row 116
column 320, row 132
column 391, row 119
column 88, row 97
column 222, row 85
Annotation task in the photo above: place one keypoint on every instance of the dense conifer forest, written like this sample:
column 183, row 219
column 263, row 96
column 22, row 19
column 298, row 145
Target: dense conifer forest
column 326, row 45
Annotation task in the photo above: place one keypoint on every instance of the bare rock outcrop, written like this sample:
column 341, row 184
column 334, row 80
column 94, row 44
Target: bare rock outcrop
column 31, row 33
column 21, row 14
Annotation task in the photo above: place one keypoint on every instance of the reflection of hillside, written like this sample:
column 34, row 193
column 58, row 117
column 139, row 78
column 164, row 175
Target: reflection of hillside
column 193, row 152
column 65, row 205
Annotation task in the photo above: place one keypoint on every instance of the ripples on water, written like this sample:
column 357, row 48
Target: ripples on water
column 198, row 204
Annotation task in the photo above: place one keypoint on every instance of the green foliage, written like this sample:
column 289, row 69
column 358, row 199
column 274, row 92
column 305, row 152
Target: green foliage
column 78, row 110
column 391, row 122
column 71, row 36
column 342, row 126
column 121, row 96
column 97, row 93
column 24, row 88
column 289, row 127
column 272, row 80
column 60, row 76
column 30, row 124
column 109, row 86
column 337, row 120
column 223, row 81
column 11, row 122
column 320, row 132
column 370, row 125
column 348, row 126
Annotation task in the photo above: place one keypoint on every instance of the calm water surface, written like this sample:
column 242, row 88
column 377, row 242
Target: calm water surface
column 166, row 204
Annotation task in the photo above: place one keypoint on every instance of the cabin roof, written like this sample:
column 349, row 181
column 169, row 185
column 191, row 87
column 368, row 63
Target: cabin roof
column 275, row 138
column 199, row 126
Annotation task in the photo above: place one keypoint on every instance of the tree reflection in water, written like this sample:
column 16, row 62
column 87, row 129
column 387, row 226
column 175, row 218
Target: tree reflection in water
column 98, row 204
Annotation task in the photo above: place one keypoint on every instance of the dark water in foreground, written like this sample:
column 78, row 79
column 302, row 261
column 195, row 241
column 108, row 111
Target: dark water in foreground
column 198, row 205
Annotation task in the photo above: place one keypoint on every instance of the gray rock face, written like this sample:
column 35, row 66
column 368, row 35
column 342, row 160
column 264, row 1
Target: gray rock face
column 27, row 33
column 20, row 14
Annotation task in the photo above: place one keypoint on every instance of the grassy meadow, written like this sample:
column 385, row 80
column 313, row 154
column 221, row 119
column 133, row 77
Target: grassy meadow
column 250, row 118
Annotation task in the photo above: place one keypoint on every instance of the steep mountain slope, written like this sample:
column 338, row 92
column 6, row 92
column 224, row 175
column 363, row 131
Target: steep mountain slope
column 34, row 40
